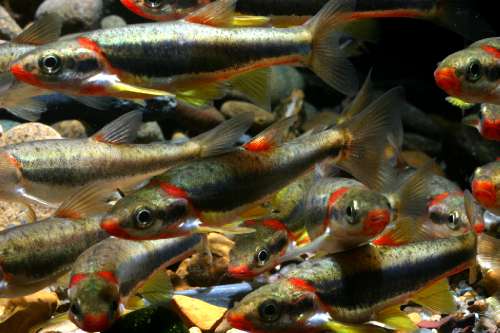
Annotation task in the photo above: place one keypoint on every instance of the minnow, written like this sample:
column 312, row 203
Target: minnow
column 109, row 273
column 216, row 191
column 472, row 74
column 487, row 121
column 17, row 97
column 443, row 213
column 195, row 58
column 47, row 171
column 295, row 12
column 486, row 186
column 382, row 279
column 33, row 256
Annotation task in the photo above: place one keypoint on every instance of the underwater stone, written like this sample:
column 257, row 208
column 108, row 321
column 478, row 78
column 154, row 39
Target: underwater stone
column 77, row 15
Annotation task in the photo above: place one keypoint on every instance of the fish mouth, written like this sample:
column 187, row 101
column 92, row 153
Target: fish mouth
column 239, row 321
column 485, row 192
column 112, row 226
column 240, row 272
column 23, row 75
column 95, row 322
column 375, row 222
column 446, row 79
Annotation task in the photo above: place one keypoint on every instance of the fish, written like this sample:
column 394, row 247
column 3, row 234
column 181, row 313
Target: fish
column 330, row 293
column 213, row 192
column 487, row 121
column 35, row 255
column 17, row 97
column 486, row 186
column 472, row 75
column 444, row 213
column 111, row 272
column 47, row 171
column 453, row 15
column 171, row 58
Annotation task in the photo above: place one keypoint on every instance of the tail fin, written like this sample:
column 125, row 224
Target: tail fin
column 326, row 59
column 458, row 16
column 223, row 137
column 363, row 155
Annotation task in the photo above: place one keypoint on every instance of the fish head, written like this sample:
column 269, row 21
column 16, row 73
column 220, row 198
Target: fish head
column 258, row 252
column 66, row 66
column 277, row 307
column 471, row 75
column 486, row 185
column 360, row 214
column 94, row 299
column 10, row 175
column 447, row 214
column 148, row 214
column 163, row 10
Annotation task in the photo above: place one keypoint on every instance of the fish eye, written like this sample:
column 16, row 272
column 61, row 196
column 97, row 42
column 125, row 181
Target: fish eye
column 262, row 256
column 269, row 311
column 453, row 221
column 351, row 212
column 50, row 64
column 143, row 218
column 474, row 71
column 153, row 3
column 76, row 309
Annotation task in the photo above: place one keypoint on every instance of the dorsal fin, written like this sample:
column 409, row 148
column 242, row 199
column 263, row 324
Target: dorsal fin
column 91, row 199
column 45, row 30
column 362, row 100
column 217, row 14
column 121, row 130
column 272, row 136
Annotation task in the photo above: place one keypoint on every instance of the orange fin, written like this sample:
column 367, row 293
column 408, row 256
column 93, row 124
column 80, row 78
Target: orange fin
column 272, row 136
column 45, row 30
column 91, row 199
column 217, row 14
column 122, row 130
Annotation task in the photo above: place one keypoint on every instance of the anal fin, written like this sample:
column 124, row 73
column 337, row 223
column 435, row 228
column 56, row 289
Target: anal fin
column 437, row 297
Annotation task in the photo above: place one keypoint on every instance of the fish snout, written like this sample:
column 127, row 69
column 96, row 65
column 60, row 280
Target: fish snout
column 447, row 80
column 485, row 192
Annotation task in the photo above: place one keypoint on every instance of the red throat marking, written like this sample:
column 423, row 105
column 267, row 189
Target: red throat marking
column 23, row 75
column 386, row 240
column 447, row 80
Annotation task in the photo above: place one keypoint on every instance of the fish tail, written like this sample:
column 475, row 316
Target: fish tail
column 366, row 137
column 327, row 59
column 222, row 138
column 458, row 16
